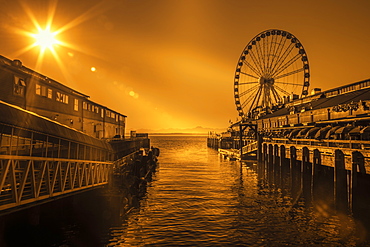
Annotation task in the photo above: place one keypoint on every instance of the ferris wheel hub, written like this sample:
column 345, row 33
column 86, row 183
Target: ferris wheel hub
column 266, row 81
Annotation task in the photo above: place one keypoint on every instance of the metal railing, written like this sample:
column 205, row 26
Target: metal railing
column 250, row 147
column 26, row 180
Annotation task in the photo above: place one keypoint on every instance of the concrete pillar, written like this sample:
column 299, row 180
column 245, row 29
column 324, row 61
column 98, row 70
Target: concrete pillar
column 340, row 182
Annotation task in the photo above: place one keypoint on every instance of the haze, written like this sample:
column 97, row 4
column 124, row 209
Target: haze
column 171, row 63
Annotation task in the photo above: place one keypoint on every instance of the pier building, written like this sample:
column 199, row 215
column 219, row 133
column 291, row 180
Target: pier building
column 55, row 141
column 283, row 126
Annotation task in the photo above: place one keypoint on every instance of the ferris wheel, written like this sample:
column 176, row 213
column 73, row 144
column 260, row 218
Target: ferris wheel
column 272, row 67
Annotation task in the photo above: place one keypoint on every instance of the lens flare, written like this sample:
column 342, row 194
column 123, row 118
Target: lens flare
column 46, row 39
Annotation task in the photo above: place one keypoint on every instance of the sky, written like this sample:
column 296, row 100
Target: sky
column 171, row 63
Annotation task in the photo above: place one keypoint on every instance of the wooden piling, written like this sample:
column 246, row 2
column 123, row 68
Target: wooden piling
column 306, row 170
column 270, row 164
column 284, row 168
column 295, row 182
column 358, row 167
column 277, row 167
column 340, row 182
column 316, row 172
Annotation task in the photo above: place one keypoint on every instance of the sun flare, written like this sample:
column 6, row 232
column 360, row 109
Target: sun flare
column 46, row 39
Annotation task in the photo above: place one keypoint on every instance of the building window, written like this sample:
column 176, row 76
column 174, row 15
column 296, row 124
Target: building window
column 43, row 91
column 19, row 86
column 62, row 98
column 84, row 105
column 38, row 89
column 50, row 93
column 75, row 105
column 102, row 113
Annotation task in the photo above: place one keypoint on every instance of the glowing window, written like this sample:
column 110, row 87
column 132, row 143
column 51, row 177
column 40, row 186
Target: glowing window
column 38, row 89
column 50, row 93
column 62, row 98
column 19, row 86
column 75, row 105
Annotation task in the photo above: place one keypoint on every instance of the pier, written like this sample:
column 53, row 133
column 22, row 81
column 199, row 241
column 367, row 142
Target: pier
column 45, row 161
column 55, row 142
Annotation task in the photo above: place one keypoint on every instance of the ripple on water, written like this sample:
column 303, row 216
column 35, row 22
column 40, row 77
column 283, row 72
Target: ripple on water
column 198, row 199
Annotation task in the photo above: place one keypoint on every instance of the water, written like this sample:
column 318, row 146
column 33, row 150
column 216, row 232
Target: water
column 198, row 199
column 195, row 198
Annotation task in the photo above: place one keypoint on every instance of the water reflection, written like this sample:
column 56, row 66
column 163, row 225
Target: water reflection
column 198, row 199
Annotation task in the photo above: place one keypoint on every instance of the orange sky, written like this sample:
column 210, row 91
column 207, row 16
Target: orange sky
column 171, row 63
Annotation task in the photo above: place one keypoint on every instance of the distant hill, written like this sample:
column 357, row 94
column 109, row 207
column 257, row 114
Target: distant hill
column 195, row 130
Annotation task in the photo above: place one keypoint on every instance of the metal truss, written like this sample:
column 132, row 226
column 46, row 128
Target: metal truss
column 25, row 180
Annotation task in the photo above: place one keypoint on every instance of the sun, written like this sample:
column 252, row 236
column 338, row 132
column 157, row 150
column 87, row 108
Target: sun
column 45, row 39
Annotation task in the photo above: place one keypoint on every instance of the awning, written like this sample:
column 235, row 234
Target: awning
column 365, row 130
column 286, row 132
column 322, row 132
column 303, row 132
column 331, row 131
column 344, row 130
column 312, row 132
column 294, row 133
column 355, row 131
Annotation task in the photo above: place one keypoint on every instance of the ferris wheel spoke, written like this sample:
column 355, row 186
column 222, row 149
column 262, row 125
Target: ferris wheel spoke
column 256, row 61
column 288, row 74
column 258, row 56
column 286, row 65
column 262, row 49
column 278, row 46
column 250, row 97
column 248, row 91
column 282, row 59
column 248, row 83
column 255, row 100
column 252, row 68
column 244, row 73
column 264, row 54
column 276, row 95
column 281, row 90
column 270, row 53
column 277, row 54
column 287, row 83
